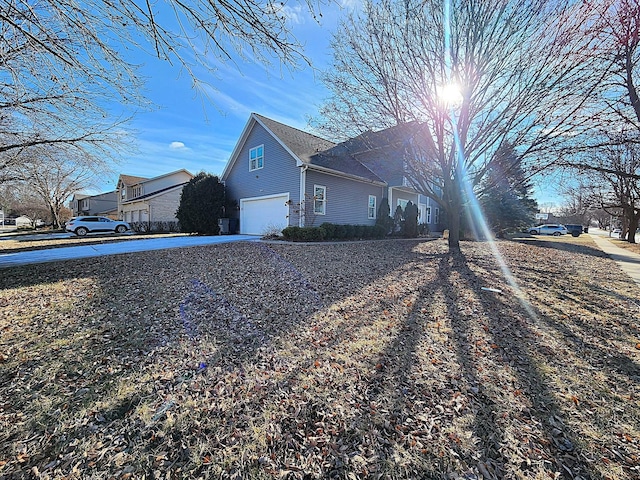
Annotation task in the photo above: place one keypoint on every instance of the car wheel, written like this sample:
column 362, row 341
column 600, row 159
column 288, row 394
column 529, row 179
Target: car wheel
column 81, row 231
column 556, row 234
column 533, row 232
column 121, row 229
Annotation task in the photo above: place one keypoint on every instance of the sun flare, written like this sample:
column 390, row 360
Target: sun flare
column 450, row 94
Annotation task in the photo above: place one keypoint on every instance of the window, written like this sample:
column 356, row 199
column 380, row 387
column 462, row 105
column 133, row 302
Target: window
column 403, row 203
column 372, row 206
column 256, row 158
column 319, row 199
column 428, row 219
column 137, row 191
column 437, row 215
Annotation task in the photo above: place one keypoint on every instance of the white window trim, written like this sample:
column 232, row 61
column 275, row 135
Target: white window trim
column 375, row 201
column 323, row 201
column 428, row 214
column 257, row 157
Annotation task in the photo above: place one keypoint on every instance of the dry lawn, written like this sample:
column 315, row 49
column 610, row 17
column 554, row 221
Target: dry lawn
column 359, row 360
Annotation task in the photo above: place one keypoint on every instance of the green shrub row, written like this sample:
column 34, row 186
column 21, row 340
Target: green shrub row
column 330, row 231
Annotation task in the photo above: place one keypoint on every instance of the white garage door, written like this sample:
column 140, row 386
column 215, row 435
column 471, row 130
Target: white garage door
column 260, row 214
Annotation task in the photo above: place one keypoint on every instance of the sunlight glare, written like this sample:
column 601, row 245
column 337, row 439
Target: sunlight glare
column 450, row 95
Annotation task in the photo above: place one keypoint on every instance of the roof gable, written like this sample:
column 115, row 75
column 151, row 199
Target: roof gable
column 129, row 180
column 299, row 144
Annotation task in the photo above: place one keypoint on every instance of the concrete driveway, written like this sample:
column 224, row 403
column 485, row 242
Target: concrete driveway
column 114, row 248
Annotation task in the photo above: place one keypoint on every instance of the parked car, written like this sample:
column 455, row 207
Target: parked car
column 549, row 229
column 574, row 230
column 617, row 232
column 83, row 225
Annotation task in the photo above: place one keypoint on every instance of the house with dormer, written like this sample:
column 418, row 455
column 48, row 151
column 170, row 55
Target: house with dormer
column 280, row 176
column 148, row 200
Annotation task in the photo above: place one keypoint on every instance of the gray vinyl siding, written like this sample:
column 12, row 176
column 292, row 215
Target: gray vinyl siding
column 279, row 173
column 346, row 200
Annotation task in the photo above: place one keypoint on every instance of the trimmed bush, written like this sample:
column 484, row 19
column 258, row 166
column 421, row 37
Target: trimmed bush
column 329, row 231
column 304, row 234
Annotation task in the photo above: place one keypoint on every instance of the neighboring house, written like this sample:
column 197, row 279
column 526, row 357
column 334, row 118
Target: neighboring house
column 23, row 221
column 105, row 204
column 151, row 199
column 281, row 176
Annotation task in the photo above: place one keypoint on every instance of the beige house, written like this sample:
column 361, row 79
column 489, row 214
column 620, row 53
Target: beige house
column 151, row 199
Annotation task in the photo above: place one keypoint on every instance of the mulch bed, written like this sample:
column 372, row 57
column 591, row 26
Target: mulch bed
column 391, row 359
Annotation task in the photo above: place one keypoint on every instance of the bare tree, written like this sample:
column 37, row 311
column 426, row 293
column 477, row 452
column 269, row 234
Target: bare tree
column 61, row 62
column 623, row 158
column 508, row 63
column 51, row 176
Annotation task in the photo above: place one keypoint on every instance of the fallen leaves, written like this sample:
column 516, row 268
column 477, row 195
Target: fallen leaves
column 381, row 359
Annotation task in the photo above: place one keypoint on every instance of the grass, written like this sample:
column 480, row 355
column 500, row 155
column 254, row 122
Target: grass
column 359, row 360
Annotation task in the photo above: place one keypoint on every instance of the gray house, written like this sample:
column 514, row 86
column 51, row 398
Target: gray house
column 102, row 204
column 280, row 176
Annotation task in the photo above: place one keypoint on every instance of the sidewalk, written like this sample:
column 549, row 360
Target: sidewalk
column 113, row 248
column 628, row 261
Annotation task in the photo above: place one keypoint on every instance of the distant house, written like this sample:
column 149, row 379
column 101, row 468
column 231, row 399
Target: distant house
column 154, row 199
column 281, row 176
column 105, row 204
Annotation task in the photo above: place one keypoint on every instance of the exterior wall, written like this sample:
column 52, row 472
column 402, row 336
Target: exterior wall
column 156, row 209
column 346, row 200
column 278, row 175
column 165, row 206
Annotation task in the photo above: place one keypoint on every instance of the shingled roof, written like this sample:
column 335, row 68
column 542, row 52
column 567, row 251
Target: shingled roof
column 132, row 180
column 302, row 144
column 374, row 156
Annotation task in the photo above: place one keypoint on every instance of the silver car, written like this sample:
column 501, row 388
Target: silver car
column 90, row 224
column 549, row 229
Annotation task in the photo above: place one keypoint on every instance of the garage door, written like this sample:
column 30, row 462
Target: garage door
column 260, row 214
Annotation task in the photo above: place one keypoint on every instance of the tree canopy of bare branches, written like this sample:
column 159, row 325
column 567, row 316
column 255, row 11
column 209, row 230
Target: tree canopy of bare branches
column 512, row 64
column 63, row 67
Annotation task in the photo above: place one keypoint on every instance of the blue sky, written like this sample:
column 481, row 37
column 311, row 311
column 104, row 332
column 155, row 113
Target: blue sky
column 197, row 130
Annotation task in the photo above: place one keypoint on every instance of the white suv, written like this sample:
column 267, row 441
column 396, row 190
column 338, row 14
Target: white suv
column 83, row 225
column 549, row 229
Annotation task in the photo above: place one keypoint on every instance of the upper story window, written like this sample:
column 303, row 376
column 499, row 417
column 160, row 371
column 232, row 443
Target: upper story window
column 319, row 199
column 256, row 158
column 137, row 191
column 123, row 192
column 428, row 219
column 372, row 207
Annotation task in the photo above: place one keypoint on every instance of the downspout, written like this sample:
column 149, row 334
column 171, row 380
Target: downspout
column 303, row 189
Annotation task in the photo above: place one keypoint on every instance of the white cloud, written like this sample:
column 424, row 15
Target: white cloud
column 295, row 15
column 177, row 146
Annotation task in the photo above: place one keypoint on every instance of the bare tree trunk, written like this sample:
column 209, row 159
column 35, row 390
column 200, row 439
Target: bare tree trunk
column 453, row 206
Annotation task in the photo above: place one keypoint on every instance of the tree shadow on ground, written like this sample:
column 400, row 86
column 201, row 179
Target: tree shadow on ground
column 559, row 244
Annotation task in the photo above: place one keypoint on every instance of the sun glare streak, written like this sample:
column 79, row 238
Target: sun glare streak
column 475, row 209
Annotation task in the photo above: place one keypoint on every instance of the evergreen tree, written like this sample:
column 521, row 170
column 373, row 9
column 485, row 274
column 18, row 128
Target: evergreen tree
column 201, row 205
column 411, row 220
column 384, row 216
column 505, row 199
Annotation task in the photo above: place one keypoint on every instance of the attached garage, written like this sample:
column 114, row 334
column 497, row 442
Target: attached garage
column 259, row 214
